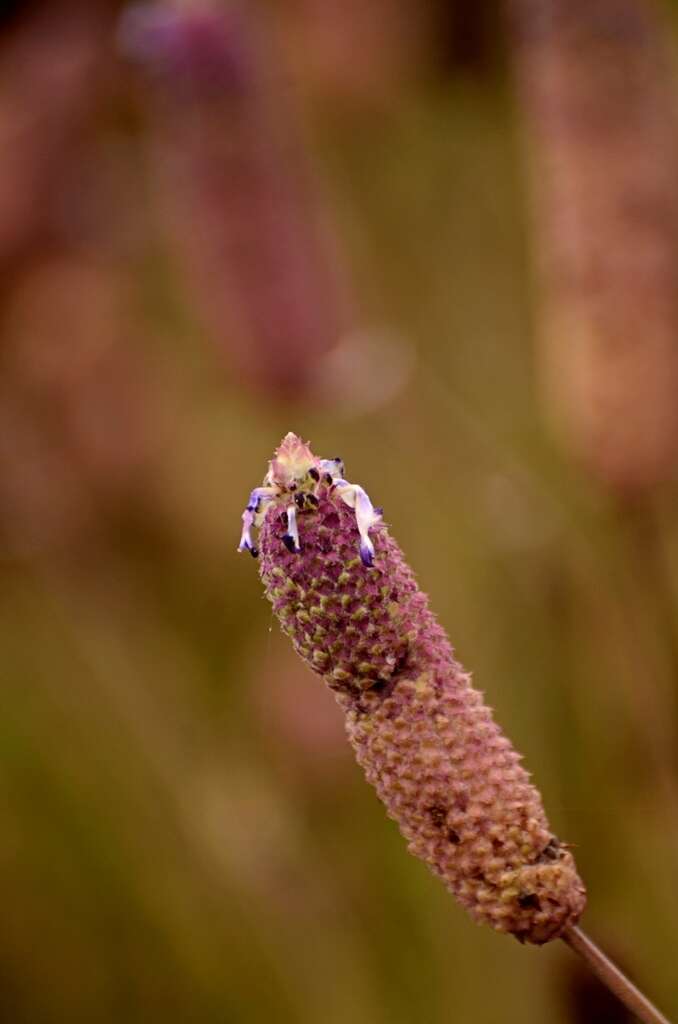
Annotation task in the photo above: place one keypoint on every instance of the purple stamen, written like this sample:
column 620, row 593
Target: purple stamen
column 291, row 538
column 365, row 513
column 367, row 553
column 246, row 535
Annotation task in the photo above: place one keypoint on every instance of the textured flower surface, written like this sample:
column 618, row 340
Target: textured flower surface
column 343, row 593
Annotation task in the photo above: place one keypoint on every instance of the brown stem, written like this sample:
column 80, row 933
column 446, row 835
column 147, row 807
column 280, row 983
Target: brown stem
column 610, row 975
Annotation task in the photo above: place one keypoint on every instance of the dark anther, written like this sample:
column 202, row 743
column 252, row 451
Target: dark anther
column 299, row 499
column 550, row 852
column 288, row 541
column 453, row 836
column 311, row 498
column 292, row 485
column 314, row 474
column 337, row 458
column 384, row 687
column 529, row 901
column 401, row 663
column 254, row 551
column 438, row 814
column 328, row 478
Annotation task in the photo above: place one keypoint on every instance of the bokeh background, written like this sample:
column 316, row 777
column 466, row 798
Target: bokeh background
column 438, row 239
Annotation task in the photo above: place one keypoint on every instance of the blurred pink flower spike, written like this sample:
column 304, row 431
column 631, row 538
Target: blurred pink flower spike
column 247, row 221
column 54, row 71
column 194, row 49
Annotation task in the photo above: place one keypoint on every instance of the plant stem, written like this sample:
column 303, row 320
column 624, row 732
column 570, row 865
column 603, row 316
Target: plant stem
column 610, row 975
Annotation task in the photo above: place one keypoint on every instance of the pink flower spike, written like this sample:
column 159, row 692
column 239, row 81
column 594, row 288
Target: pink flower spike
column 421, row 732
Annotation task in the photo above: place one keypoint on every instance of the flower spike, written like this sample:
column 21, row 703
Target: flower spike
column 421, row 732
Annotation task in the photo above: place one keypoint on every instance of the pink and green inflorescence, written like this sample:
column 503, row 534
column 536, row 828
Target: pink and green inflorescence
column 344, row 594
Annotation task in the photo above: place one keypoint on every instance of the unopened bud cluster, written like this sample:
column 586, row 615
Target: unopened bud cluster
column 422, row 733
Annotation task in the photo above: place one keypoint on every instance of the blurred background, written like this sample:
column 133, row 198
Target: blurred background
column 440, row 240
